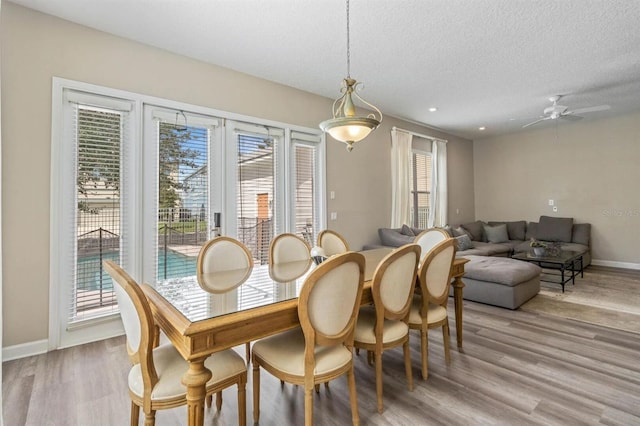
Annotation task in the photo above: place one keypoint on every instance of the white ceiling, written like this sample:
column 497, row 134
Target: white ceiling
column 490, row 63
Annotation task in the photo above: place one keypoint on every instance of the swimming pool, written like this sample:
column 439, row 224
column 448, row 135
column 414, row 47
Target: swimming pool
column 91, row 276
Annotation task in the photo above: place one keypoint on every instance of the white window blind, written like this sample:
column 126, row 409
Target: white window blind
column 304, row 184
column 421, row 169
column 98, row 138
column 256, row 189
column 183, row 142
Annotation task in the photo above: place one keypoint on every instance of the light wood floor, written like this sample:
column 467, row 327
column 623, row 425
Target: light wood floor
column 518, row 368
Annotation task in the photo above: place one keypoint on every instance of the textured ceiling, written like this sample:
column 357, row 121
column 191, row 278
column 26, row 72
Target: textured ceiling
column 491, row 63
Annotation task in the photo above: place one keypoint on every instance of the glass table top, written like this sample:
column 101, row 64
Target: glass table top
column 210, row 295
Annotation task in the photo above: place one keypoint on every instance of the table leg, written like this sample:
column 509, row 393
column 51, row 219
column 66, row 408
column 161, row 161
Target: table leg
column 458, row 285
column 195, row 380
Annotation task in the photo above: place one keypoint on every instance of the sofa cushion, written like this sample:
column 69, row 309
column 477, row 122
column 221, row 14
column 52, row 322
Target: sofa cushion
column 516, row 230
column 464, row 242
column 500, row 270
column 393, row 238
column 555, row 229
column 581, row 233
column 492, row 249
column 532, row 230
column 496, row 234
column 407, row 231
column 475, row 229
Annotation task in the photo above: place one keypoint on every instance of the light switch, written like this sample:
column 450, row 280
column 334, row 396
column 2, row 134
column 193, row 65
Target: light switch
column 550, row 202
column 332, row 195
column 334, row 215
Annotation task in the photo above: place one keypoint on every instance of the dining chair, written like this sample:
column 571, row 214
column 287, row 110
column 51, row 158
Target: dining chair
column 384, row 325
column 224, row 254
column 322, row 349
column 155, row 379
column 429, row 308
column 332, row 243
column 288, row 248
column 428, row 239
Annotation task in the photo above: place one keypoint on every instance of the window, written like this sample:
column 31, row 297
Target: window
column 421, row 179
column 140, row 180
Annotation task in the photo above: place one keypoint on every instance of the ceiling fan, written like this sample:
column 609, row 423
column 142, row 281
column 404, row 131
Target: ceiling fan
column 560, row 111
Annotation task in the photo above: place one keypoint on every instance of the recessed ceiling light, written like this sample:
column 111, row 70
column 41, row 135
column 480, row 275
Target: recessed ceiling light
column 481, row 128
column 433, row 109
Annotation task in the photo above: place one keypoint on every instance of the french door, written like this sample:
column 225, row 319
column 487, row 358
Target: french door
column 145, row 182
column 209, row 176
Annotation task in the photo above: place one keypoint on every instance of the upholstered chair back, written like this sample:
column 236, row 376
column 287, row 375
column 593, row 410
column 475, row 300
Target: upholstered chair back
column 137, row 320
column 332, row 243
column 330, row 298
column 288, row 248
column 394, row 280
column 435, row 274
column 223, row 254
column 428, row 239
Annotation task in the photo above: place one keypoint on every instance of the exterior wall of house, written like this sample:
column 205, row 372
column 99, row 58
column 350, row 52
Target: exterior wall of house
column 37, row 47
column 589, row 168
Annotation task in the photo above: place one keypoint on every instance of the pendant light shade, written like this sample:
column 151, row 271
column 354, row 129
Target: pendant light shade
column 345, row 126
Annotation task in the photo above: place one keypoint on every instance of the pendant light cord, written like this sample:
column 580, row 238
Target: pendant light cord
column 348, row 45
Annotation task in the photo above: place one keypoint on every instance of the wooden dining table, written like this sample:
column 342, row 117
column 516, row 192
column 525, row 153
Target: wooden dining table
column 208, row 313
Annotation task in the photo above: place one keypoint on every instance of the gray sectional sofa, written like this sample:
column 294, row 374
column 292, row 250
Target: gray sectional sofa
column 489, row 238
column 490, row 276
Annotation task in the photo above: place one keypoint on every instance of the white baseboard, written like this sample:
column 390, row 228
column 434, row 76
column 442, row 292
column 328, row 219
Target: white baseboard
column 624, row 265
column 24, row 350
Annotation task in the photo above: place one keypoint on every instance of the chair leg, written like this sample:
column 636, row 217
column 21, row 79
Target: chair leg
column 219, row 401
column 248, row 352
column 135, row 414
column 445, row 338
column 242, row 402
column 407, row 364
column 424, row 348
column 317, row 387
column 351, row 378
column 150, row 418
column 369, row 357
column 308, row 405
column 256, row 391
column 208, row 400
column 379, row 381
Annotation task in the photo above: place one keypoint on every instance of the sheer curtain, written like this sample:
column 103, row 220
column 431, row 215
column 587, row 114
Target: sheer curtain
column 400, row 173
column 438, row 213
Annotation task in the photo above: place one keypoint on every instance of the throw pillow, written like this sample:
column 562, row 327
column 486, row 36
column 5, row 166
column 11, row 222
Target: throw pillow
column 475, row 229
column 496, row 234
column 448, row 230
column 460, row 231
column 555, row 229
column 516, row 230
column 464, row 242
column 581, row 233
column 407, row 231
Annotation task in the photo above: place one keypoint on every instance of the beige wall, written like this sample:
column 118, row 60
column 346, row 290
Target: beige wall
column 36, row 47
column 591, row 169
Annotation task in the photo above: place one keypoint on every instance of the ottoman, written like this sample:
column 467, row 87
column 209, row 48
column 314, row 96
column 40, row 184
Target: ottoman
column 500, row 281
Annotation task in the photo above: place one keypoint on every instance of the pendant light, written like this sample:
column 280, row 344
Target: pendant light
column 345, row 126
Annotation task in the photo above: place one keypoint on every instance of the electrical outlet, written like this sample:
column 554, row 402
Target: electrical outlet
column 555, row 208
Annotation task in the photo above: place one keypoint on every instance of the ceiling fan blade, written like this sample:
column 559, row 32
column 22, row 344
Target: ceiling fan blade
column 537, row 121
column 589, row 109
column 571, row 117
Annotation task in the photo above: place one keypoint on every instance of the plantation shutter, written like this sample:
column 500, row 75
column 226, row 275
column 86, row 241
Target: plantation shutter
column 99, row 131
